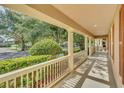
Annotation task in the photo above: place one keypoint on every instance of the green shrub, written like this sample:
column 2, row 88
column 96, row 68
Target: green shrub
column 18, row 63
column 46, row 47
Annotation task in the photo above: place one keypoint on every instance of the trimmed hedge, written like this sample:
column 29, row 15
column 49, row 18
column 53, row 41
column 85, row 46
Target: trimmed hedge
column 18, row 63
column 46, row 47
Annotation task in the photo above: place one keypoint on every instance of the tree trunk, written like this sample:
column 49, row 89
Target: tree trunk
column 22, row 44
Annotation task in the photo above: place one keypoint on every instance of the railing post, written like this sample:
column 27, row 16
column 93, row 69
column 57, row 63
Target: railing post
column 70, row 50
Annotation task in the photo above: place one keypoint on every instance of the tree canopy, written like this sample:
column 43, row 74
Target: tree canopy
column 27, row 29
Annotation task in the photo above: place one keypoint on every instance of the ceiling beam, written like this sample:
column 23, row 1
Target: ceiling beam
column 102, row 36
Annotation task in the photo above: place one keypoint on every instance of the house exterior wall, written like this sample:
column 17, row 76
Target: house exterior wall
column 115, row 61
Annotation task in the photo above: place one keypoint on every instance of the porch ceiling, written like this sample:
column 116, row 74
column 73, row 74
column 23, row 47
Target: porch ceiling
column 95, row 18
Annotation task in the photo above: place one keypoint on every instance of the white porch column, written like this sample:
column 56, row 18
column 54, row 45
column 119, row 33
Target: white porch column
column 70, row 50
column 86, row 45
column 94, row 45
column 89, row 45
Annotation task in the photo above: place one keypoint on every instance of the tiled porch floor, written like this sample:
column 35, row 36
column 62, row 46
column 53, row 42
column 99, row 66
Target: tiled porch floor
column 95, row 72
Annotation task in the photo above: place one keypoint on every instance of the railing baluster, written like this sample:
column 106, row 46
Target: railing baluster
column 50, row 73
column 55, row 71
column 27, row 80
column 36, row 78
column 44, row 76
column 40, row 77
column 14, row 82
column 21, row 81
column 59, row 68
column 32, row 79
column 47, row 75
column 7, row 84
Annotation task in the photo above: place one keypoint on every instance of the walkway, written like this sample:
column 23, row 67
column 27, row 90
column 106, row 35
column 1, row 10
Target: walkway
column 95, row 72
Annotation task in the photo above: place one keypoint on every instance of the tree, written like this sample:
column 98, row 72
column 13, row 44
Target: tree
column 26, row 29
column 15, row 26
column 79, row 40
column 59, row 34
column 12, row 25
column 35, row 30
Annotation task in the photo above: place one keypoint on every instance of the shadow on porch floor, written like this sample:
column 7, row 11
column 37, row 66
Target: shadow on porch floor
column 95, row 72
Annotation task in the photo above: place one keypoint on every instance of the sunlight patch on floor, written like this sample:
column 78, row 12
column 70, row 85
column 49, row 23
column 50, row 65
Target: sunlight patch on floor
column 99, row 71
column 82, row 69
column 71, row 83
column 88, row 83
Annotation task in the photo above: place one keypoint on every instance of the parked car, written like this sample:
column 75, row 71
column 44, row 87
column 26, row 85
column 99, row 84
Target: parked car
column 6, row 41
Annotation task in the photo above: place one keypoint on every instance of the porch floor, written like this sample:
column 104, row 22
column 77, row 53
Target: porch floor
column 95, row 72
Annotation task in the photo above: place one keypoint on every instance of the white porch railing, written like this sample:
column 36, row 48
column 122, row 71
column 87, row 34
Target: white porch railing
column 79, row 57
column 41, row 75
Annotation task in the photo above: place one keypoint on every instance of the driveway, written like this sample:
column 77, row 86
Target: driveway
column 3, row 50
column 6, row 53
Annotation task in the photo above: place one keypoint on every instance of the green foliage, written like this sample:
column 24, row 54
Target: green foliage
column 18, row 63
column 25, row 29
column 46, row 47
column 79, row 41
column 59, row 34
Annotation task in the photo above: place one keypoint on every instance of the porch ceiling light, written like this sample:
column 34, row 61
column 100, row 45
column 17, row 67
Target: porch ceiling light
column 95, row 25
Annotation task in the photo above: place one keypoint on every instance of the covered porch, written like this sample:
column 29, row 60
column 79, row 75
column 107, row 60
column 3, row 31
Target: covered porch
column 90, row 67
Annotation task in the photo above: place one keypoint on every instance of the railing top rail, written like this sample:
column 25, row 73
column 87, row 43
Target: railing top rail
column 17, row 73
